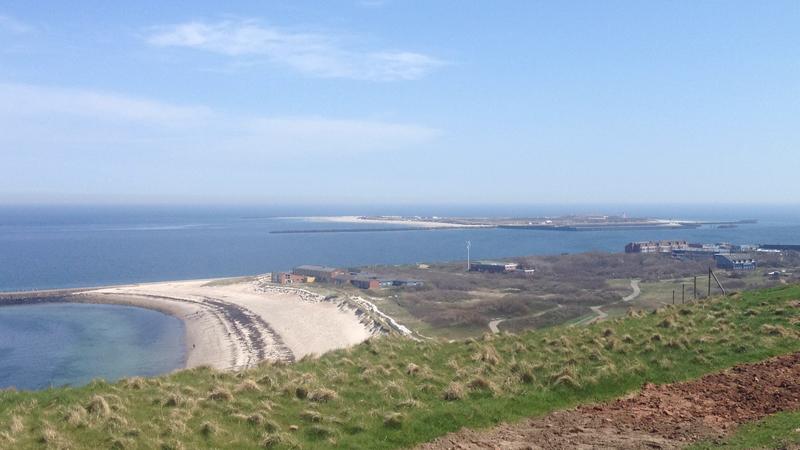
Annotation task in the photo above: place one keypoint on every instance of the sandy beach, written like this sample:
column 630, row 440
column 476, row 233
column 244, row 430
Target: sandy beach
column 390, row 221
column 236, row 323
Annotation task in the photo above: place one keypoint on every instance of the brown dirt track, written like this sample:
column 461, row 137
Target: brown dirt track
column 666, row 416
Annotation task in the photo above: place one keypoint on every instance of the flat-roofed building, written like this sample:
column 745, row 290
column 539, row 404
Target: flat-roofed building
column 655, row 246
column 493, row 266
column 363, row 282
column 736, row 261
column 288, row 278
column 320, row 273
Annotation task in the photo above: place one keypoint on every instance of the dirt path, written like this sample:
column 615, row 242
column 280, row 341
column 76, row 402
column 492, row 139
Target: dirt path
column 636, row 292
column 598, row 310
column 493, row 325
column 666, row 417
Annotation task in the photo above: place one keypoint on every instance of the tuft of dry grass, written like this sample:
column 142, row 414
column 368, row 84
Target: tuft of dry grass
column 248, row 386
column 482, row 384
column 15, row 425
column 255, row 419
column 412, row 369
column 272, row 440
column 98, row 406
column 50, row 437
column 75, row 416
column 321, row 431
column 774, row 330
column 301, row 392
column 174, row 400
column 487, row 354
column 310, row 415
column 393, row 420
column 208, row 429
column 568, row 381
column 409, row 403
column 267, row 380
column 664, row 363
column 220, row 394
column 6, row 437
column 668, row 322
column 136, row 383
column 172, row 445
column 116, row 422
column 322, row 395
column 122, row 443
column 454, row 391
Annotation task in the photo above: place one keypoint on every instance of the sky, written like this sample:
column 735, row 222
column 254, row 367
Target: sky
column 400, row 101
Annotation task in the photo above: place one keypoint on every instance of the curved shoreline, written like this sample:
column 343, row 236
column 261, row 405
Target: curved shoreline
column 232, row 323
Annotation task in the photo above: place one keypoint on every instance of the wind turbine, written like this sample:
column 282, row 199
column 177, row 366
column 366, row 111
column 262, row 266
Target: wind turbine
column 469, row 266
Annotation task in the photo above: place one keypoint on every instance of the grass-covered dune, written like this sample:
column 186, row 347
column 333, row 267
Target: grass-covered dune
column 392, row 392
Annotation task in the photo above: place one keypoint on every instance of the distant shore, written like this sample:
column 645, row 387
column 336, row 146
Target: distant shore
column 566, row 223
column 231, row 322
column 421, row 223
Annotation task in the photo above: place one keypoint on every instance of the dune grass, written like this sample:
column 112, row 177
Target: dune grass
column 393, row 393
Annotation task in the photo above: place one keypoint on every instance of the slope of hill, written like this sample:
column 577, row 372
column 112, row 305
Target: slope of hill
column 393, row 392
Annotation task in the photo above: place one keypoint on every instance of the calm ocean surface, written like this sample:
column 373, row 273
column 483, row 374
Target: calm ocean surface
column 58, row 247
column 57, row 344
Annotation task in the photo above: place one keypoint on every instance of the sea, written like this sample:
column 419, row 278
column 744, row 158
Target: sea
column 50, row 247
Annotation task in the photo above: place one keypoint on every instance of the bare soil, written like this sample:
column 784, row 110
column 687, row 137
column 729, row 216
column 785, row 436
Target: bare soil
column 661, row 417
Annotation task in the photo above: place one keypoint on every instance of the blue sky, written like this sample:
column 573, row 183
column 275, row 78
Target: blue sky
column 399, row 101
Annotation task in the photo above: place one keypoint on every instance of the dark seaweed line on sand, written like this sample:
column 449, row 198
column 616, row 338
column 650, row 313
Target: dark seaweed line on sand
column 246, row 326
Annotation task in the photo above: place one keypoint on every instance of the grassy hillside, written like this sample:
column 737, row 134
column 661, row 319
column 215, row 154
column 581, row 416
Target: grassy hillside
column 390, row 393
column 778, row 431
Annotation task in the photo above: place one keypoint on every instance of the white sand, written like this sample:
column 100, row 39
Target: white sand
column 233, row 323
column 394, row 221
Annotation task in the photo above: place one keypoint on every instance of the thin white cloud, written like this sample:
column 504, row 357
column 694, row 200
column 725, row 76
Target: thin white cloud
column 30, row 100
column 314, row 134
column 47, row 117
column 13, row 25
column 315, row 54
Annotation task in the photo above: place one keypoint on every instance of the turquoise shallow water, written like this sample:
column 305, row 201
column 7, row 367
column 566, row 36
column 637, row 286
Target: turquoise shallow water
column 58, row 344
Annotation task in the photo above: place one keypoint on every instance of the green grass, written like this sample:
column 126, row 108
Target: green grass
column 776, row 431
column 390, row 392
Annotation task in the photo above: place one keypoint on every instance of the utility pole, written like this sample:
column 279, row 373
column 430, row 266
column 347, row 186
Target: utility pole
column 469, row 266
column 673, row 296
column 709, row 281
column 695, row 287
column 683, row 293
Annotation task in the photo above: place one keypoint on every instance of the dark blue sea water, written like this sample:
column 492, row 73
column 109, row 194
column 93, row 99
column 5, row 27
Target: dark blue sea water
column 58, row 344
column 57, row 247
column 50, row 247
